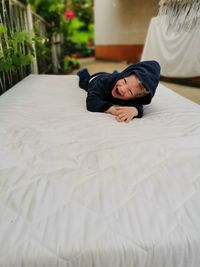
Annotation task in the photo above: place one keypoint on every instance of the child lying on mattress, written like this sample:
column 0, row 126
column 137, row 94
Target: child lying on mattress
column 121, row 94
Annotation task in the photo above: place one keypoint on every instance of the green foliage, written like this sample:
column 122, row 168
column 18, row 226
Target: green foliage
column 52, row 11
column 78, row 31
column 78, row 37
column 17, row 49
column 84, row 10
column 69, row 63
column 43, row 53
column 43, row 47
column 81, row 29
column 25, row 2
column 3, row 29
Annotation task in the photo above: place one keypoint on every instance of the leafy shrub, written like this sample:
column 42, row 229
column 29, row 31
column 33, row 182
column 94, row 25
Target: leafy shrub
column 17, row 49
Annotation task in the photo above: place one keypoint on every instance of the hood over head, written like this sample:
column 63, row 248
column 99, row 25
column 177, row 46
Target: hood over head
column 148, row 73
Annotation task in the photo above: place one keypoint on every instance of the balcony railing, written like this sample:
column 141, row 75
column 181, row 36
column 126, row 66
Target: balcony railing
column 17, row 18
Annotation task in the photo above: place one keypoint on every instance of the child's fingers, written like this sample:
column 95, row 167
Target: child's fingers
column 121, row 117
column 128, row 120
column 124, row 117
column 120, row 120
column 120, row 112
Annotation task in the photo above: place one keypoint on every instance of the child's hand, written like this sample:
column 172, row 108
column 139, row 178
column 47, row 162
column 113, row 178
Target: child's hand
column 126, row 114
column 111, row 110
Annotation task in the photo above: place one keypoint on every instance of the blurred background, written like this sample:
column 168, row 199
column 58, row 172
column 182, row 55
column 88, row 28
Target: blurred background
column 61, row 36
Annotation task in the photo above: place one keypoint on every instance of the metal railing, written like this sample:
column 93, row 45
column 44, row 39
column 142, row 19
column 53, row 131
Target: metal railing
column 18, row 17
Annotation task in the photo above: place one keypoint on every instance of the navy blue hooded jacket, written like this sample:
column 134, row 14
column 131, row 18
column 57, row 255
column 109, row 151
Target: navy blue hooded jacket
column 99, row 89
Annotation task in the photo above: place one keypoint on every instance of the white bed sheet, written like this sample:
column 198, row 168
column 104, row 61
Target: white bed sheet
column 80, row 189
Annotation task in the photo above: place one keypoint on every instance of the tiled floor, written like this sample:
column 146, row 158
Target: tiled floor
column 93, row 66
column 192, row 93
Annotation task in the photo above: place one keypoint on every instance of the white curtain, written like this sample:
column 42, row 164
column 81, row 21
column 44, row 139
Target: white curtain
column 177, row 52
column 183, row 14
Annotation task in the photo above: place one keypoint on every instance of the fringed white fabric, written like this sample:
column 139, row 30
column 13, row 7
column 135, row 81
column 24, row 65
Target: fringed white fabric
column 181, row 14
column 178, row 52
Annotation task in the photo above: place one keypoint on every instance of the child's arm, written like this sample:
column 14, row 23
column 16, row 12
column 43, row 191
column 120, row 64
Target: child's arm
column 112, row 110
column 99, row 91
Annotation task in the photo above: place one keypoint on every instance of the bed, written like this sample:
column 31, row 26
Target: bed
column 80, row 189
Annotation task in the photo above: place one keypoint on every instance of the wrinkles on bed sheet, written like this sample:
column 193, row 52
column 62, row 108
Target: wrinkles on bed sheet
column 80, row 189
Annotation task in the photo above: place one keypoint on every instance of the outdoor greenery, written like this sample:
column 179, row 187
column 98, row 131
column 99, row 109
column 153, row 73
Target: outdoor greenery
column 18, row 49
column 72, row 18
column 43, row 48
column 75, row 20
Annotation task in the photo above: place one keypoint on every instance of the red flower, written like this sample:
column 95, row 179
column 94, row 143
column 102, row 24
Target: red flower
column 69, row 14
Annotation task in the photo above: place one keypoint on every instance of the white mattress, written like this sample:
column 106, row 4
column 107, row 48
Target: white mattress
column 81, row 189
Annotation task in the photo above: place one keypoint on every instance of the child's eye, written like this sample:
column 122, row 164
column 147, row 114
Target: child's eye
column 125, row 80
column 130, row 91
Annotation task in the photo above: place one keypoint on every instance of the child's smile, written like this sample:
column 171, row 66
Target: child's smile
column 127, row 88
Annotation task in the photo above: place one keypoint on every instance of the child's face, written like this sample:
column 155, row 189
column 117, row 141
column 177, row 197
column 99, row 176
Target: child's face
column 127, row 88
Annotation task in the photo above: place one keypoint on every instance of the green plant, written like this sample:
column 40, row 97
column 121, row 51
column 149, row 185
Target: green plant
column 52, row 11
column 79, row 37
column 69, row 64
column 25, row 2
column 74, row 19
column 43, row 48
column 84, row 11
column 17, row 49
column 77, row 32
column 43, row 54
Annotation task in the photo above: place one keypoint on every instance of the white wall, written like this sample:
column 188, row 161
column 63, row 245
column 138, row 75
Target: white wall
column 123, row 21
